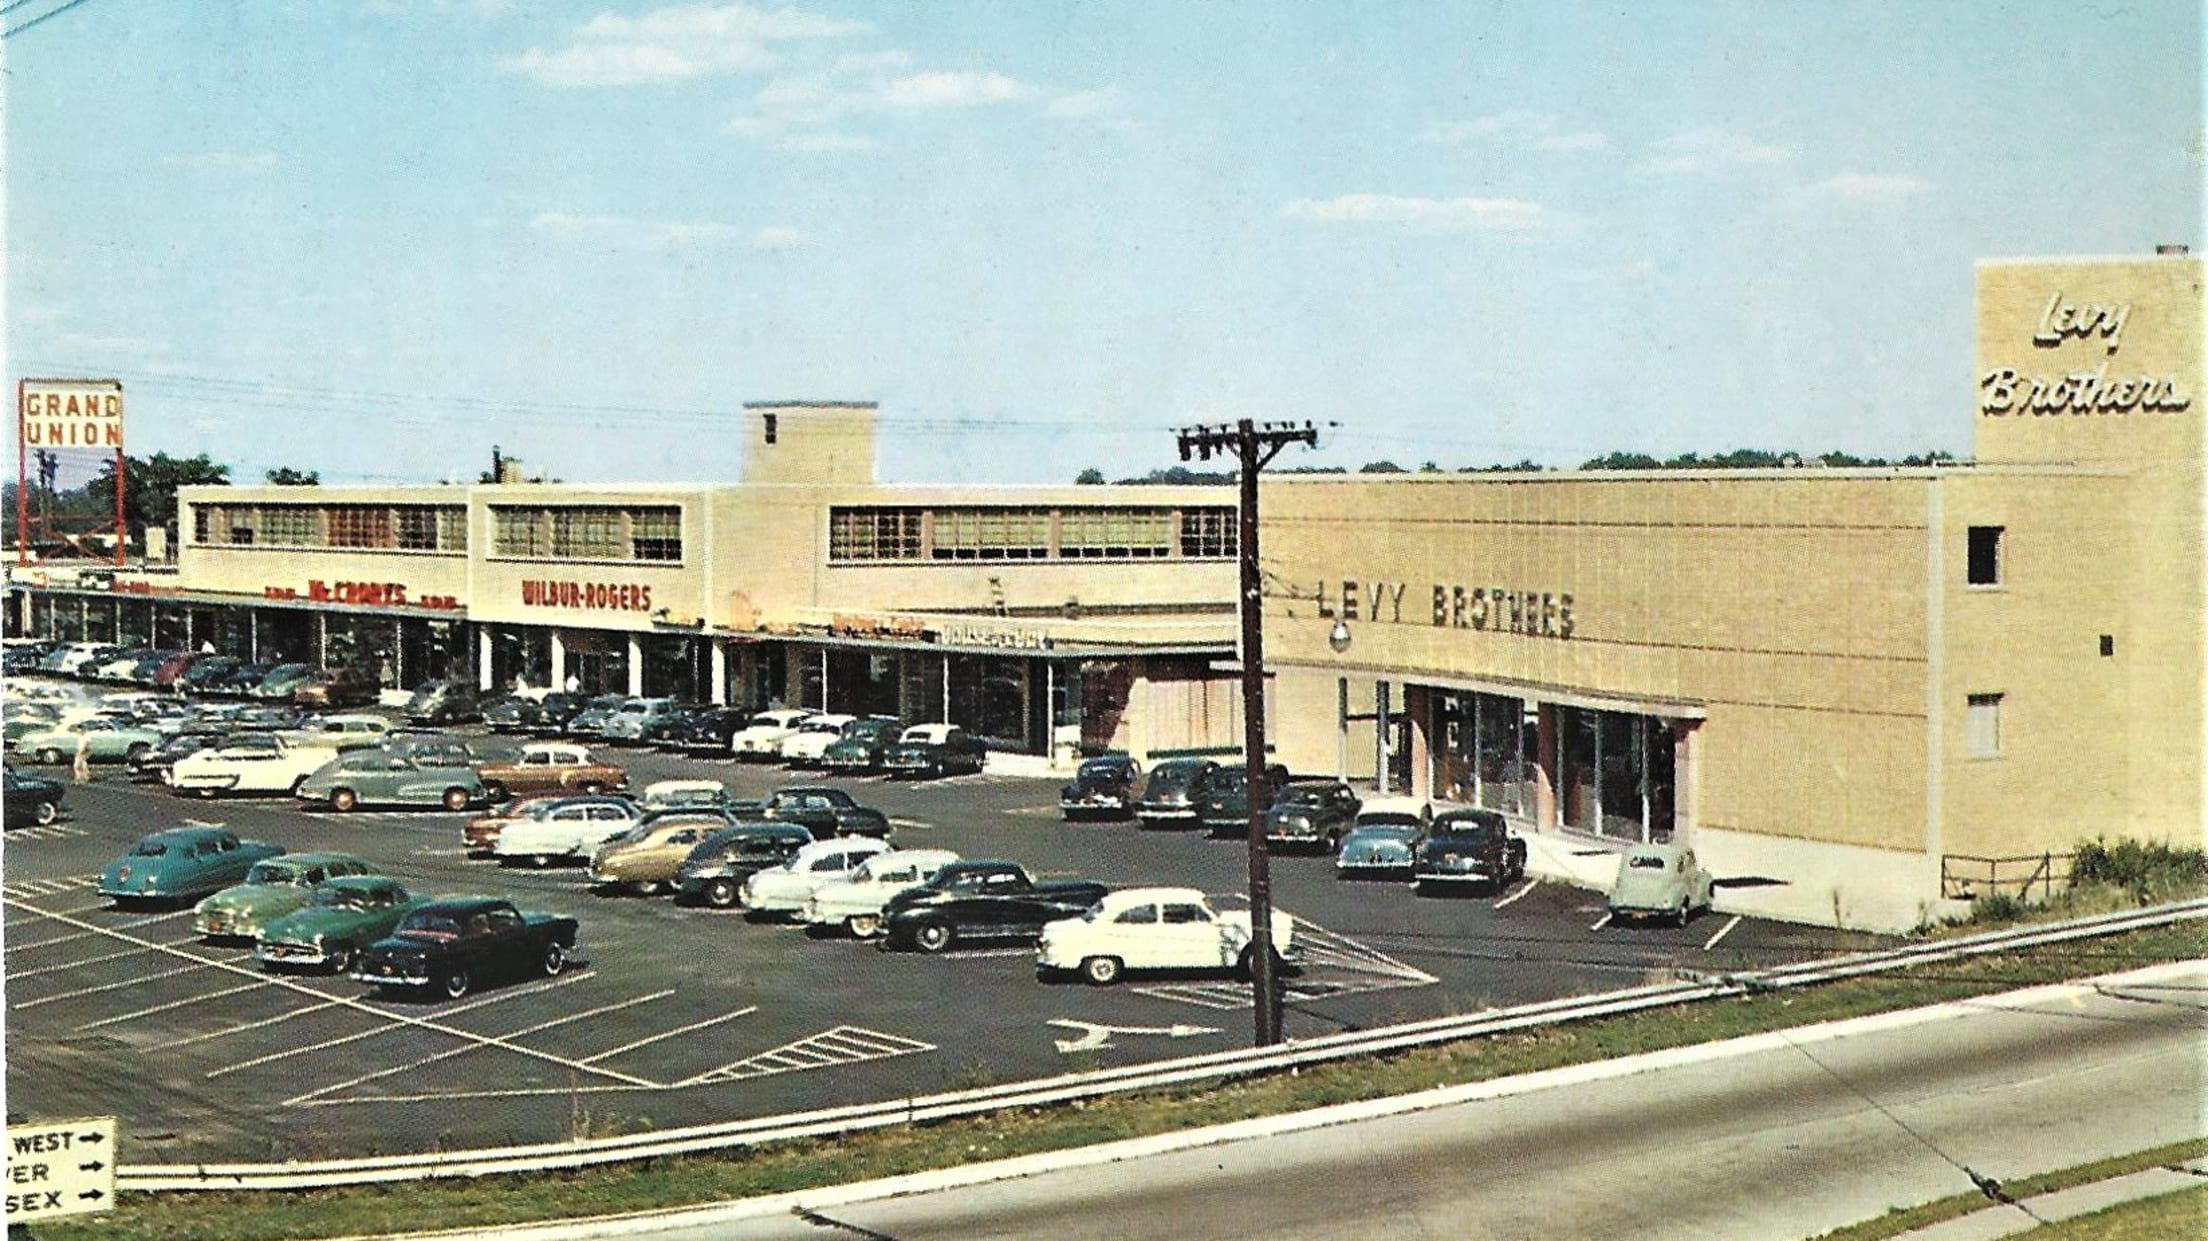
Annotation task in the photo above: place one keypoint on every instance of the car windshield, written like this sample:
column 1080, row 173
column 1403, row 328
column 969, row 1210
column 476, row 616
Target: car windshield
column 273, row 872
column 340, row 898
column 1166, row 779
column 1388, row 820
column 430, row 926
column 149, row 848
column 1297, row 798
column 1468, row 838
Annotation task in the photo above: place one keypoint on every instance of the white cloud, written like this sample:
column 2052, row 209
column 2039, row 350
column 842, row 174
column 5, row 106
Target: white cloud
column 779, row 237
column 221, row 161
column 1521, row 130
column 1710, row 150
column 1869, row 187
column 674, row 44
column 1426, row 214
column 951, row 90
column 616, row 230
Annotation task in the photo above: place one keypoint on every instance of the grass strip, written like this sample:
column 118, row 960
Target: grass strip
column 2165, row 1217
column 1904, row 1219
column 304, row 1215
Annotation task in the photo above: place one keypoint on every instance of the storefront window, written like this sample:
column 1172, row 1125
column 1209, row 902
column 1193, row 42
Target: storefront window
column 989, row 698
column 923, row 697
column 1618, row 776
column 862, row 682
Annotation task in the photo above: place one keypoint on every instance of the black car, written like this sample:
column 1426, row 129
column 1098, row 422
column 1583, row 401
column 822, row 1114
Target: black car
column 32, row 798
column 935, row 750
column 1467, row 847
column 981, row 900
column 590, row 721
column 152, row 766
column 239, row 681
column 664, row 731
column 715, row 871
column 1314, row 814
column 822, row 810
column 1103, row 787
column 554, row 712
column 443, row 702
column 206, row 672
column 511, row 714
column 1223, row 806
column 446, row 947
column 1174, row 792
column 708, row 731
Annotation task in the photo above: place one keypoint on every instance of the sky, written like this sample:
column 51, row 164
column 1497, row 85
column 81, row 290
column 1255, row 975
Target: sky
column 374, row 238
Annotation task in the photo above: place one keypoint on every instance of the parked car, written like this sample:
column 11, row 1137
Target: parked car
column 855, row 902
column 556, row 711
column 112, row 741
column 32, row 798
column 804, row 747
column 784, row 889
column 446, row 947
column 393, row 778
column 825, row 811
column 181, row 863
column 763, row 737
column 1224, row 808
column 1383, row 839
column 1156, row 929
column 170, row 674
column 444, row 701
column 511, row 714
column 1660, row 881
column 862, row 746
column 281, row 682
column 115, row 665
column 1174, row 791
column 240, row 681
column 337, row 687
column 340, row 918
column 550, row 766
column 1314, row 814
column 589, row 720
column 663, row 731
column 1103, row 787
column 153, row 766
column 628, row 724
column 715, row 871
column 1468, row 847
column 248, row 763
column 208, row 671
column 981, row 900
column 482, row 832
column 340, row 732
column 570, row 829
column 708, row 731
column 645, row 858
column 935, row 750
column 686, row 795
column 274, row 887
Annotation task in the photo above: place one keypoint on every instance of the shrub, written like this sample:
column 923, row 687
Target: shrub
column 2149, row 870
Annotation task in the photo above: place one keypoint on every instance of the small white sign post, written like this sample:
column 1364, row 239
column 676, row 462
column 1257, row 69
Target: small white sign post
column 60, row 1167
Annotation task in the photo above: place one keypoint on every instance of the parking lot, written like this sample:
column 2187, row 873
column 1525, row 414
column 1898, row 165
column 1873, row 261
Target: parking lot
column 673, row 1015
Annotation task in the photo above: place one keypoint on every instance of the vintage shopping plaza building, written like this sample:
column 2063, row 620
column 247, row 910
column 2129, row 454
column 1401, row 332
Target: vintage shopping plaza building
column 1870, row 685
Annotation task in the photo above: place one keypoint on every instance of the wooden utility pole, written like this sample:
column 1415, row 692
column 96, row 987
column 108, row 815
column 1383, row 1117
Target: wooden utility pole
column 1254, row 446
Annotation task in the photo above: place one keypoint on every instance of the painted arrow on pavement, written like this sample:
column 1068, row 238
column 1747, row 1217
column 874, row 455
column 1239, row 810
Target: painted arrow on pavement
column 1095, row 1036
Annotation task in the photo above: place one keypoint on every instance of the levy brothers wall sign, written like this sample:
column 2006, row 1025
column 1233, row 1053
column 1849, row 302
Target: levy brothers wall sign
column 2006, row 391
column 1494, row 609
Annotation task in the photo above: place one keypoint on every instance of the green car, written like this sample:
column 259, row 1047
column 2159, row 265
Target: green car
column 182, row 862
column 862, row 745
column 341, row 917
column 273, row 888
column 420, row 777
column 112, row 741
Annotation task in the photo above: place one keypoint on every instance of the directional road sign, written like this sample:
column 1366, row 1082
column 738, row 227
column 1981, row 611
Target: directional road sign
column 60, row 1167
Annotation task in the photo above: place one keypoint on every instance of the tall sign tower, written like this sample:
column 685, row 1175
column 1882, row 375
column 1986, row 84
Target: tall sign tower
column 66, row 426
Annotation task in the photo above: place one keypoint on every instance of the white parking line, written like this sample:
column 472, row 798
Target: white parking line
column 125, row 926
column 695, row 1025
column 489, row 1041
column 1722, row 932
column 1601, row 924
column 162, row 1008
column 1531, row 884
column 113, row 986
column 326, row 1044
column 251, row 1025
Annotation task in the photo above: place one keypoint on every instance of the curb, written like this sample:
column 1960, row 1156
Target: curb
column 834, row 1196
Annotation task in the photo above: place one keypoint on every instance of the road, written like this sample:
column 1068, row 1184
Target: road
column 1779, row 1143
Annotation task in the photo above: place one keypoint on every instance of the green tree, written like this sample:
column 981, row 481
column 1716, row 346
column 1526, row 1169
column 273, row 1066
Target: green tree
column 1090, row 477
column 285, row 476
column 1381, row 467
column 149, row 486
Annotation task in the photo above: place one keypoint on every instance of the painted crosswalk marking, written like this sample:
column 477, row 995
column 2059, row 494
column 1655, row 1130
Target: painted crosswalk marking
column 841, row 1045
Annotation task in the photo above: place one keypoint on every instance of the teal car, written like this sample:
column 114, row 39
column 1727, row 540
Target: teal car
column 340, row 918
column 112, row 741
column 182, row 862
column 273, row 888
column 419, row 777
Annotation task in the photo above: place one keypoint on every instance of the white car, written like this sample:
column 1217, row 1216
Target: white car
column 855, row 902
column 784, row 889
column 248, row 763
column 570, row 828
column 814, row 735
column 1155, row 929
column 684, row 795
column 340, row 732
column 763, row 737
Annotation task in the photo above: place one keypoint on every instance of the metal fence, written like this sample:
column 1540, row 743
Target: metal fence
column 1066, row 1088
column 1967, row 878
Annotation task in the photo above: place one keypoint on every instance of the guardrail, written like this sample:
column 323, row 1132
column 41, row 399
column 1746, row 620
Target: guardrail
column 1066, row 1088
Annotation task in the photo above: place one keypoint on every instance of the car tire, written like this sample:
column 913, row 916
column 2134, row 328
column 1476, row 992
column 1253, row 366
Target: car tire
column 540, row 861
column 342, row 800
column 456, row 798
column 863, row 926
column 1101, row 971
column 341, row 961
column 44, row 812
column 137, row 750
column 455, row 983
column 722, row 893
column 299, row 783
column 1685, row 912
column 648, row 887
column 49, row 756
column 1245, row 966
column 494, row 792
column 553, row 961
column 932, row 936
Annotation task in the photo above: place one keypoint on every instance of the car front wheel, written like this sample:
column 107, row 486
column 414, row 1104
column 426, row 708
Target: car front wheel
column 553, row 961
column 44, row 812
column 456, row 799
column 863, row 926
column 721, row 894
column 455, row 984
column 1102, row 971
column 931, row 937
column 342, row 800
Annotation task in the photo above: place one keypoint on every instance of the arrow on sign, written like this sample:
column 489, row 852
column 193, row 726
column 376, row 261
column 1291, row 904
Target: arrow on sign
column 1094, row 1036
column 93, row 1166
column 95, row 1137
column 91, row 1195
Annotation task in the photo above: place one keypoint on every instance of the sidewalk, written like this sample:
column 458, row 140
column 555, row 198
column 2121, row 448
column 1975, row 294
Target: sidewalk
column 2008, row 1221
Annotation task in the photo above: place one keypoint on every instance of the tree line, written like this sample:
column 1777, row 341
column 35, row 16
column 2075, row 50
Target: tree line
column 1738, row 459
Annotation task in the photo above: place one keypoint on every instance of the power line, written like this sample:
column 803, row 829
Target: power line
column 42, row 18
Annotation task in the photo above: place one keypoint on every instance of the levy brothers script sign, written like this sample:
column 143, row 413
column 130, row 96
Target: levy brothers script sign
column 2006, row 391
column 1495, row 609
